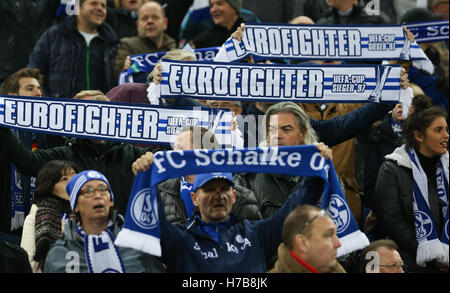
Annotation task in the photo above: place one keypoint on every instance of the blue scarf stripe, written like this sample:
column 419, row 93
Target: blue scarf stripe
column 141, row 214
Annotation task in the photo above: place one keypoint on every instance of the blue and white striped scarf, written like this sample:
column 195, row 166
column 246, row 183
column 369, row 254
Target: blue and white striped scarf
column 102, row 256
column 142, row 231
column 430, row 246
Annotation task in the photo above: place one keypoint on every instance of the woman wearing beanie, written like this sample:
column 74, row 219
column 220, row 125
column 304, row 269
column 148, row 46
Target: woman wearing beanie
column 88, row 245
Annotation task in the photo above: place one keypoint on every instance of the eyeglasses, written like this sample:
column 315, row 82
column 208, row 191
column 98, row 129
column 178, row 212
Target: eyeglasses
column 396, row 266
column 307, row 223
column 89, row 192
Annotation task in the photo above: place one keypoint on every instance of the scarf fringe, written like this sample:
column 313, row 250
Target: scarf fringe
column 17, row 220
column 139, row 241
column 425, row 65
column 430, row 250
column 351, row 242
column 444, row 259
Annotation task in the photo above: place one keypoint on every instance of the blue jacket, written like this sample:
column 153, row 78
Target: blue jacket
column 68, row 65
column 244, row 245
column 428, row 83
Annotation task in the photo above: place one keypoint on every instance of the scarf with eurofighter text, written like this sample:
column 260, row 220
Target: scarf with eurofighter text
column 324, row 42
column 430, row 246
column 142, row 231
column 130, row 123
column 310, row 83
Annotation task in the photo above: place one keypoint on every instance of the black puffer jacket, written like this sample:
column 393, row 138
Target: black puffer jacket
column 246, row 206
column 113, row 159
column 69, row 66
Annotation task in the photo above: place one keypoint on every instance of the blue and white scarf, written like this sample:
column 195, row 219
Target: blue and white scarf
column 102, row 256
column 98, row 120
column 276, row 83
column 324, row 42
column 430, row 246
column 18, row 195
column 185, row 192
column 430, row 31
column 145, row 63
column 142, row 231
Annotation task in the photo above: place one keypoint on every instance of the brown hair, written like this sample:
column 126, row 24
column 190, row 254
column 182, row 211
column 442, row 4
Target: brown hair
column 296, row 219
column 11, row 84
column 94, row 94
column 386, row 243
column 419, row 121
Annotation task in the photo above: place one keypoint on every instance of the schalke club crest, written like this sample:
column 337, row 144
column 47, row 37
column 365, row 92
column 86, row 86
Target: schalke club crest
column 424, row 225
column 340, row 213
column 144, row 211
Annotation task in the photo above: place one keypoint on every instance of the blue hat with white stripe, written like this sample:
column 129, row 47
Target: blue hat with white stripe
column 75, row 184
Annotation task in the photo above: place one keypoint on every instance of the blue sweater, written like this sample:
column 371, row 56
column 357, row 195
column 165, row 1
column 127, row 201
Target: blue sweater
column 243, row 246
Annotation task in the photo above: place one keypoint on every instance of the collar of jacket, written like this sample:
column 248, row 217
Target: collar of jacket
column 195, row 221
column 105, row 32
column 70, row 232
column 166, row 45
column 401, row 157
column 286, row 263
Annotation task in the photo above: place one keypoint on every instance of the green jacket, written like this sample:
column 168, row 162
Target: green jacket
column 139, row 45
column 113, row 159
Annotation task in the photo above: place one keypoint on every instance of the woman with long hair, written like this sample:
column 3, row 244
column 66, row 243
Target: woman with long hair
column 411, row 194
column 50, row 210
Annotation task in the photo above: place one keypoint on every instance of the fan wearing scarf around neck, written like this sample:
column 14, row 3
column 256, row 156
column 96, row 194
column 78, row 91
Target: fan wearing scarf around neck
column 88, row 245
column 49, row 212
column 411, row 194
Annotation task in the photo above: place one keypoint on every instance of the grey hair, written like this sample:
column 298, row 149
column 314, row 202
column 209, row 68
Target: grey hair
column 302, row 120
column 177, row 54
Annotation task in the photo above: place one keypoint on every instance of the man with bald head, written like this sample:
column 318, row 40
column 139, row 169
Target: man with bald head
column 151, row 26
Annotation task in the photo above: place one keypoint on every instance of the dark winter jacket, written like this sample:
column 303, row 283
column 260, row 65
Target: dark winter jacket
column 43, row 142
column 69, row 66
column 13, row 259
column 23, row 22
column 122, row 22
column 382, row 142
column 216, row 36
column 113, row 159
column 246, row 206
column 244, row 245
column 394, row 205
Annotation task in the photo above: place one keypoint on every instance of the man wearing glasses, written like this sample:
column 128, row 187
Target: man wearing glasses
column 309, row 243
column 381, row 256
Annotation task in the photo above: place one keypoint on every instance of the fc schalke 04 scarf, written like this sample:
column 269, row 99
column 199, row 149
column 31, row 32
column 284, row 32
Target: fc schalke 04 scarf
column 430, row 31
column 144, row 63
column 102, row 256
column 142, row 231
column 430, row 246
